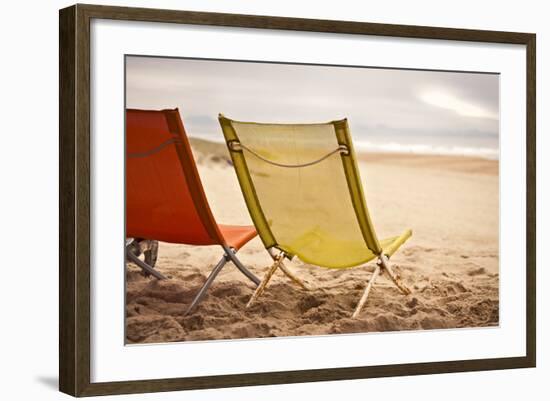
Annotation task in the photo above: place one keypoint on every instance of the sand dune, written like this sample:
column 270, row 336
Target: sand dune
column 450, row 263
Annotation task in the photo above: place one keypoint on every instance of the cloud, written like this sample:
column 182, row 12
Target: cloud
column 405, row 102
column 449, row 101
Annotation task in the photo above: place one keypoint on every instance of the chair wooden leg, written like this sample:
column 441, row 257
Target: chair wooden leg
column 382, row 265
column 365, row 295
column 260, row 289
column 294, row 278
column 288, row 272
column 386, row 266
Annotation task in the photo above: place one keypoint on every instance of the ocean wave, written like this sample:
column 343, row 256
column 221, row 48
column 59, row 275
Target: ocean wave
column 395, row 147
column 423, row 149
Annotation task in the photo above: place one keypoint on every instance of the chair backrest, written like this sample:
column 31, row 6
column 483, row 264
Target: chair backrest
column 165, row 199
column 303, row 191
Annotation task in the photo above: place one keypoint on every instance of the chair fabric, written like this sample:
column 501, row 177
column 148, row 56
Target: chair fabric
column 317, row 211
column 165, row 199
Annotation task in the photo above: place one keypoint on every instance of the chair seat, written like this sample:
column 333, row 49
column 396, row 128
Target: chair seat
column 237, row 236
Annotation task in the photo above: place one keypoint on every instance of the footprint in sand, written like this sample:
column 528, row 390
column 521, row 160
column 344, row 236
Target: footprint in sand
column 477, row 272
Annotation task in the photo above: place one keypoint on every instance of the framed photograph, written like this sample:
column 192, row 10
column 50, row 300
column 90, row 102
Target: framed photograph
column 250, row 200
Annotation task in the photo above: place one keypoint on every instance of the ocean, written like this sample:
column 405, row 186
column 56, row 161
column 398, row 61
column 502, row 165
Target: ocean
column 483, row 146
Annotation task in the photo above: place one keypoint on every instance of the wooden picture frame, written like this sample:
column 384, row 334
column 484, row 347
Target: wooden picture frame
column 74, row 203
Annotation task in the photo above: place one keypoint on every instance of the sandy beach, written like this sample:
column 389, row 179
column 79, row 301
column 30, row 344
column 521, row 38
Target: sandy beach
column 451, row 262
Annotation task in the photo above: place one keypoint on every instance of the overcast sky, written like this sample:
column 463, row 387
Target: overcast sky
column 379, row 103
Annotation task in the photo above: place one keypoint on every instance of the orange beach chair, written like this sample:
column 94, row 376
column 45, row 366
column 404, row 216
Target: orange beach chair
column 165, row 200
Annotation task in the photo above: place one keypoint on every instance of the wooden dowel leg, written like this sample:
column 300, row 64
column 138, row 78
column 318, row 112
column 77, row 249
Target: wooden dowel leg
column 260, row 289
column 363, row 299
column 294, row 278
column 386, row 266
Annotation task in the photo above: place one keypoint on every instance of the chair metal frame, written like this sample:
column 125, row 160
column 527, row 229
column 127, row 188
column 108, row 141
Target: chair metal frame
column 230, row 255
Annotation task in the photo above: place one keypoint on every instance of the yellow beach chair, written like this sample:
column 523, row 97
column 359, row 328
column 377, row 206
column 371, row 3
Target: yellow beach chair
column 302, row 188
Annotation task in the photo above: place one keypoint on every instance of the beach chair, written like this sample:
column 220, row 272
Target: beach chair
column 165, row 200
column 303, row 191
